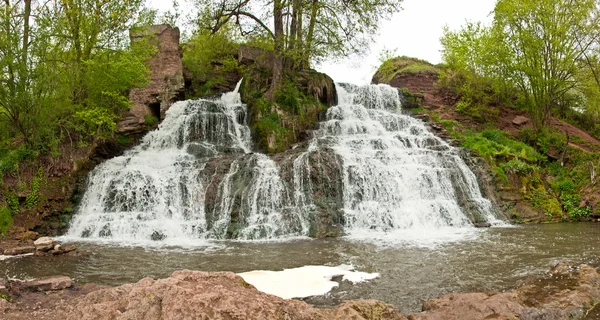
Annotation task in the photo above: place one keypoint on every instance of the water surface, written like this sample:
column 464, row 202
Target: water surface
column 494, row 259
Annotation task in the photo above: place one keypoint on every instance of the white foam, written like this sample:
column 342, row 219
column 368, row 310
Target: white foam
column 305, row 281
column 416, row 237
column 2, row 258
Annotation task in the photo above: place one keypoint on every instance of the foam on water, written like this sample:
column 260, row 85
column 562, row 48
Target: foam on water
column 305, row 281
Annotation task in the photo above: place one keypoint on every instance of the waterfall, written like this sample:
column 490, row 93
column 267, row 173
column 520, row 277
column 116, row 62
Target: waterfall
column 369, row 168
column 397, row 175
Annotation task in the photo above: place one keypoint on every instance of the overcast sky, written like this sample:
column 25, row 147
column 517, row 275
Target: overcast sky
column 414, row 32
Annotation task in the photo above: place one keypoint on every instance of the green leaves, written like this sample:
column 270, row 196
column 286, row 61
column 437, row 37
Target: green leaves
column 532, row 46
column 76, row 72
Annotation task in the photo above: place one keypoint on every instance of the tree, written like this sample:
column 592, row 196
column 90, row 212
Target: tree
column 333, row 27
column 65, row 65
column 533, row 45
column 541, row 38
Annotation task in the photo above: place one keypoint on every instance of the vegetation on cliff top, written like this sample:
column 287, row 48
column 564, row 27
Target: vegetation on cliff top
column 303, row 31
column 392, row 67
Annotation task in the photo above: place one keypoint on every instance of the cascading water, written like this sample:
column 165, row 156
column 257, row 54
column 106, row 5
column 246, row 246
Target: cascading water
column 397, row 176
column 368, row 168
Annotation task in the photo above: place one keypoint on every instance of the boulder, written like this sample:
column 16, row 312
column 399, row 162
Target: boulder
column 560, row 294
column 27, row 235
column 47, row 284
column 520, row 120
column 166, row 84
column 257, row 57
column 44, row 244
column 19, row 250
column 203, row 295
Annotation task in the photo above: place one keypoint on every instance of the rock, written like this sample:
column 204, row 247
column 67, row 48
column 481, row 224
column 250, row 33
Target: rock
column 47, row 284
column 68, row 248
column 258, row 57
column 202, row 295
column 166, row 85
column 520, row 120
column 510, row 196
column 482, row 225
column 419, row 85
column 560, row 294
column 471, row 306
column 366, row 309
column 19, row 250
column 436, row 127
column 44, row 244
column 27, row 235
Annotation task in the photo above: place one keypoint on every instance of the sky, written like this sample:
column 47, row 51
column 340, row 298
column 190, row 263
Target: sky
column 415, row 32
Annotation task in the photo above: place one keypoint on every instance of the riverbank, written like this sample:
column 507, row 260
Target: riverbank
column 565, row 292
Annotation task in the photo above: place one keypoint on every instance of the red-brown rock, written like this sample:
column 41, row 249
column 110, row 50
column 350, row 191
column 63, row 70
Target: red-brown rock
column 166, row 85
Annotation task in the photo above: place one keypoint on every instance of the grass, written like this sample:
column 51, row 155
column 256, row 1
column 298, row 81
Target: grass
column 399, row 65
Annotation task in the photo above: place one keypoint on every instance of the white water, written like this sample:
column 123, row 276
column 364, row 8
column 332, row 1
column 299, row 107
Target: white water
column 399, row 181
column 305, row 281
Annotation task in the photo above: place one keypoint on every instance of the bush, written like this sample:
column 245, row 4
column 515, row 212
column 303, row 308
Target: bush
column 150, row 120
column 519, row 167
column 6, row 220
column 498, row 147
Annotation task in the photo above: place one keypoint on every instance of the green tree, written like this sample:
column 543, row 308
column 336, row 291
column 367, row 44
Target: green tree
column 67, row 66
column 304, row 31
column 541, row 38
column 534, row 46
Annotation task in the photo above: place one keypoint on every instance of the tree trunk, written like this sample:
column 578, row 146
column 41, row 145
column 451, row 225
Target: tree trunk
column 299, row 41
column 309, row 38
column 278, row 61
column 293, row 26
column 25, row 50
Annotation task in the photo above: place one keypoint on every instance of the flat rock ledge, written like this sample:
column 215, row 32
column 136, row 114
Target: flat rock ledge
column 41, row 246
column 566, row 292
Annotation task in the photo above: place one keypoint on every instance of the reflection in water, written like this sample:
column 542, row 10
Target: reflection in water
column 497, row 259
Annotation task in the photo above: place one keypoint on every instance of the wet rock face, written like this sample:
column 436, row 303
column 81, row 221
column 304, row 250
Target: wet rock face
column 166, row 85
column 311, row 185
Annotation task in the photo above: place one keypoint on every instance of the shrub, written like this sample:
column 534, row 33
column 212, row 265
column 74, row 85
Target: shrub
column 150, row 120
column 497, row 147
column 6, row 220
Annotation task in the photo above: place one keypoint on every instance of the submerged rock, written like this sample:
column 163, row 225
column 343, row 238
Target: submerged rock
column 43, row 284
column 19, row 250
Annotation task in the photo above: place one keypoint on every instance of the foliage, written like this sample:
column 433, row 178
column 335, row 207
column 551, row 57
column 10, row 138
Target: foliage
column 392, row 67
column 66, row 68
column 519, row 167
column 209, row 57
column 316, row 29
column 150, row 120
column 6, row 220
column 495, row 145
column 33, row 198
column 532, row 48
